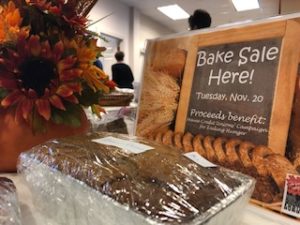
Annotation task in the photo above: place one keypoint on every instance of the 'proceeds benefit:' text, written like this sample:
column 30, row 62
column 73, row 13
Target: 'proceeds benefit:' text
column 245, row 55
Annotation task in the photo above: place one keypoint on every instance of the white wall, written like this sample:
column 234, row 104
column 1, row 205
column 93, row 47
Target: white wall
column 116, row 25
column 290, row 6
column 134, row 28
column 148, row 29
column 129, row 25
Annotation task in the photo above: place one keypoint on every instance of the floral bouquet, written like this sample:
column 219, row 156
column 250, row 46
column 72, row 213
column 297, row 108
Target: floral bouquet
column 46, row 62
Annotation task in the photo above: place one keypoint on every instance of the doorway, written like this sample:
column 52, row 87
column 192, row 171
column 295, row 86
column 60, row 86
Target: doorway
column 112, row 45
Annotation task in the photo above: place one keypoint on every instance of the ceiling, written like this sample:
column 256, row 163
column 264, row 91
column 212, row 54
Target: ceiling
column 221, row 11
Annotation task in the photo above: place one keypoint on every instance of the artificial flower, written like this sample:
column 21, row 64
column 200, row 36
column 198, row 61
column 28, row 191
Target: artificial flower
column 65, row 9
column 86, row 55
column 10, row 21
column 34, row 77
column 46, row 62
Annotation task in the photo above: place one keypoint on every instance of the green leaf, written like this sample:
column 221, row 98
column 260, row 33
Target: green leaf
column 88, row 96
column 73, row 120
column 71, row 117
column 57, row 117
column 69, row 52
column 38, row 124
column 3, row 93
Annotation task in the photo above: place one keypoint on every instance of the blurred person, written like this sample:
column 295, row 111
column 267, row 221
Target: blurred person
column 121, row 72
column 98, row 63
column 199, row 19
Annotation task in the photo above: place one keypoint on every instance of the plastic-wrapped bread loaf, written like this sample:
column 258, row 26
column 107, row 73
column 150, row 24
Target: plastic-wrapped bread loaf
column 9, row 205
column 112, row 179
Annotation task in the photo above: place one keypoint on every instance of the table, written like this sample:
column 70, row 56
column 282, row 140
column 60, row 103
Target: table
column 253, row 215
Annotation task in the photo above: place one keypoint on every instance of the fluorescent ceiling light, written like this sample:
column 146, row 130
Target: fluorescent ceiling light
column 243, row 5
column 175, row 12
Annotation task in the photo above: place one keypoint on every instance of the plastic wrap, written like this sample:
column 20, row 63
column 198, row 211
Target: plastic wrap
column 9, row 205
column 115, row 119
column 112, row 179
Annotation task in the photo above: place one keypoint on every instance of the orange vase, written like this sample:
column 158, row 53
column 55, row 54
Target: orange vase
column 16, row 137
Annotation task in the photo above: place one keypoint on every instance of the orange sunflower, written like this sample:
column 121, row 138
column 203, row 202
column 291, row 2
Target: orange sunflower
column 94, row 77
column 36, row 77
column 46, row 62
column 10, row 21
column 86, row 55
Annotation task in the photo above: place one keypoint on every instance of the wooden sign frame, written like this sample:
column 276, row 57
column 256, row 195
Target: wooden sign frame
column 289, row 31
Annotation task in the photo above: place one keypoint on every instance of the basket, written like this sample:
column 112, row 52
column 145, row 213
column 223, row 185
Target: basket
column 116, row 99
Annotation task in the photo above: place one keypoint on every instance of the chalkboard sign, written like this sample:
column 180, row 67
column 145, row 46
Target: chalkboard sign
column 233, row 88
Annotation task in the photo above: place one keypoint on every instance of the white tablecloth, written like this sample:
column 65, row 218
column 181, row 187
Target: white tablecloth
column 252, row 215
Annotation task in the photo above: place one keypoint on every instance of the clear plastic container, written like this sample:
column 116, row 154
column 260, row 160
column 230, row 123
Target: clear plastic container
column 105, row 178
column 9, row 204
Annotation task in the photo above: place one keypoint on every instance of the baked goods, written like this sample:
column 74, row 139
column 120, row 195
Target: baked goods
column 231, row 151
column 9, row 205
column 187, row 142
column 245, row 151
column 218, row 145
column 279, row 167
column 178, row 140
column 268, row 168
column 296, row 164
column 210, row 152
column 154, row 186
column 167, row 138
column 158, row 137
column 198, row 145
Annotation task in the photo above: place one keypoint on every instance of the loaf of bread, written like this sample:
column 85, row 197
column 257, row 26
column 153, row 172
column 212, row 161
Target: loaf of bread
column 9, row 205
column 159, row 185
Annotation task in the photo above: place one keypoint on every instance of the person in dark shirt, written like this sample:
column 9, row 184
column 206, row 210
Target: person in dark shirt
column 121, row 72
column 98, row 63
column 199, row 19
